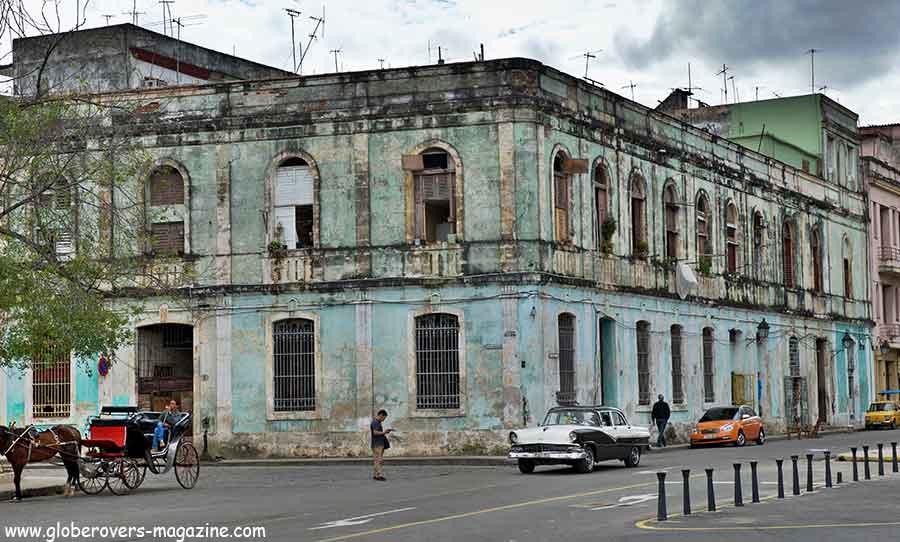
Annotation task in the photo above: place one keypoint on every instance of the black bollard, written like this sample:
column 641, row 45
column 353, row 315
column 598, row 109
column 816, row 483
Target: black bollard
column 661, row 508
column 738, row 497
column 796, row 488
column 855, row 468
column 686, row 499
column 880, row 459
column 893, row 457
column 868, row 474
column 780, row 478
column 710, row 491
column 809, row 480
column 840, row 477
column 827, row 468
column 754, row 482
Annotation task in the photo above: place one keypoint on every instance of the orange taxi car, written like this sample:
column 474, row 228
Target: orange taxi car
column 729, row 425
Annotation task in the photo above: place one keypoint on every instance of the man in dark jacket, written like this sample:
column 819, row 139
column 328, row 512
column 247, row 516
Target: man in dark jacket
column 379, row 443
column 660, row 416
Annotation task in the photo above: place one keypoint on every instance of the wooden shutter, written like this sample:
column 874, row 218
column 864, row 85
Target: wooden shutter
column 413, row 162
column 574, row 165
column 166, row 187
column 167, row 238
column 293, row 186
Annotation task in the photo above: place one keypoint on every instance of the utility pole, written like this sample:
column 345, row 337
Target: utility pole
column 724, row 73
column 177, row 51
column 293, row 13
column 812, row 69
column 631, row 85
column 336, row 52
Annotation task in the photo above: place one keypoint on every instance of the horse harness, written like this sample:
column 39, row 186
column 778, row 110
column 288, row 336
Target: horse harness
column 31, row 436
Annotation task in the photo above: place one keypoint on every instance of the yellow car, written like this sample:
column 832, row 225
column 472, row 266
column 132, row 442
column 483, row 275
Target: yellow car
column 883, row 414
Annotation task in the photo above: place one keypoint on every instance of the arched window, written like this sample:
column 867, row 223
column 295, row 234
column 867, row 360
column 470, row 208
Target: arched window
column 677, row 369
column 848, row 269
column 437, row 361
column 561, row 195
column 166, row 198
column 670, row 203
column 294, row 365
column 566, row 332
column 732, row 246
column 643, row 361
column 601, row 201
column 787, row 240
column 709, row 366
column 638, row 229
column 815, row 248
column 759, row 245
column 294, row 220
column 55, row 218
column 435, row 196
column 704, row 254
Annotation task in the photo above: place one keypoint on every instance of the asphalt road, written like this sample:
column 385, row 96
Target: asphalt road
column 453, row 503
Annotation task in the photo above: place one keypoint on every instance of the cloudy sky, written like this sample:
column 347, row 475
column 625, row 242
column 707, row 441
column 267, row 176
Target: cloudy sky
column 648, row 43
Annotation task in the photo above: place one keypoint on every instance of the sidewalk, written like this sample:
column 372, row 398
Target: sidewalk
column 35, row 483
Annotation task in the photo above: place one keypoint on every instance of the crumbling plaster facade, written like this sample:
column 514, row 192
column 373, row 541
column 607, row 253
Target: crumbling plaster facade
column 365, row 278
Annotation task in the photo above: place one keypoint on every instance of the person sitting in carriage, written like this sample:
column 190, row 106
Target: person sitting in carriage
column 167, row 419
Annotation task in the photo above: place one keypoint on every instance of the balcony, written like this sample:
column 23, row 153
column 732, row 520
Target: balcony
column 889, row 332
column 889, row 261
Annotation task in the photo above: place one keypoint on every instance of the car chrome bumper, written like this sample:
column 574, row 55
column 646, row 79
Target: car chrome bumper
column 570, row 456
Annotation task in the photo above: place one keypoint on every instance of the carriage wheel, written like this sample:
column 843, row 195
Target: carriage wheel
column 187, row 465
column 123, row 475
column 92, row 476
column 142, row 471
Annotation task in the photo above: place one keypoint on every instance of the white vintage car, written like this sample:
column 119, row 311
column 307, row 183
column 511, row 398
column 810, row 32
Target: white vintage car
column 579, row 436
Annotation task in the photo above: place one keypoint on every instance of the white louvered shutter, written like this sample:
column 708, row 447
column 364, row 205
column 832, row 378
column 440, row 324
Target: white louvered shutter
column 293, row 186
column 285, row 217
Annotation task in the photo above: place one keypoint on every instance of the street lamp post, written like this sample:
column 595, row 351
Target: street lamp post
column 762, row 335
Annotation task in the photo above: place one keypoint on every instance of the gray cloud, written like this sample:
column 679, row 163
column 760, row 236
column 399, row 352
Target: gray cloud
column 859, row 40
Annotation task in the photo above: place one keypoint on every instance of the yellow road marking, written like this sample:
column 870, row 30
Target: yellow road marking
column 484, row 511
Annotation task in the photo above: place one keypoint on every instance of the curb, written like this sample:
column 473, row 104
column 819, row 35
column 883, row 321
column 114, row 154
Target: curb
column 769, row 438
column 45, row 491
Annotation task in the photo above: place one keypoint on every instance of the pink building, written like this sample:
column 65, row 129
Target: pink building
column 880, row 164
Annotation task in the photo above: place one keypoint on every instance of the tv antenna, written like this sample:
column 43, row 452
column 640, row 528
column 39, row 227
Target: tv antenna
column 134, row 13
column 812, row 69
column 293, row 14
column 756, row 88
column 724, row 73
column 381, row 62
column 737, row 97
column 588, row 55
column 166, row 7
column 631, row 85
column 320, row 22
column 336, row 52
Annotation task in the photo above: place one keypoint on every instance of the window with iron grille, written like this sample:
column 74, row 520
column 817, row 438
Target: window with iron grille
column 851, row 378
column 167, row 238
column 643, row 362
column 794, row 356
column 166, row 187
column 51, row 385
column 677, row 377
column 294, row 365
column 759, row 228
column 709, row 368
column 566, row 333
column 703, row 252
column 561, row 181
column 437, row 361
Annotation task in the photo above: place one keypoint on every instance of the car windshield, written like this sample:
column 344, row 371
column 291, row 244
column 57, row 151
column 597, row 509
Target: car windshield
column 881, row 407
column 572, row 417
column 719, row 413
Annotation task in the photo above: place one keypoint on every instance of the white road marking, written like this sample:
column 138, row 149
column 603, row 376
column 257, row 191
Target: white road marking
column 629, row 500
column 358, row 520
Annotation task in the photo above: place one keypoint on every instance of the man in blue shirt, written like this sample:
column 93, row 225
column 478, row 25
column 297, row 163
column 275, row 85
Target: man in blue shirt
column 379, row 442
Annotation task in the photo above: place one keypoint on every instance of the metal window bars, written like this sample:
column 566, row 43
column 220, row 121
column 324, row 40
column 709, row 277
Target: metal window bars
column 437, row 362
column 294, row 365
column 709, row 390
column 677, row 384
column 566, row 333
column 643, row 362
column 50, row 385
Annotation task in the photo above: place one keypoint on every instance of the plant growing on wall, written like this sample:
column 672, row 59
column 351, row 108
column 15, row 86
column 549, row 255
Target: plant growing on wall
column 641, row 249
column 705, row 265
column 277, row 247
column 607, row 230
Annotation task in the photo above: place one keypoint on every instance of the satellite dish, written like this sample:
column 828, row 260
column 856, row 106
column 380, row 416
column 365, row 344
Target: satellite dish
column 685, row 280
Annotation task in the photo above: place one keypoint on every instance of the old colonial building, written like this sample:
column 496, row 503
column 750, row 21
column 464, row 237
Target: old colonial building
column 467, row 245
column 880, row 160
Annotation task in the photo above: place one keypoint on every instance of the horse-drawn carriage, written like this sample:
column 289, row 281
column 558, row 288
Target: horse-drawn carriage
column 119, row 451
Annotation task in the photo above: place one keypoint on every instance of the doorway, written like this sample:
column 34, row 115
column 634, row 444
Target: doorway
column 822, row 378
column 165, row 366
column 606, row 350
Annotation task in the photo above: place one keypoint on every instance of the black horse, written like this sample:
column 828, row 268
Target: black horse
column 23, row 446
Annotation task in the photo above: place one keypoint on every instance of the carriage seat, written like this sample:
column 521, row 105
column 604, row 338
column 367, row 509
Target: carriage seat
column 108, row 422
